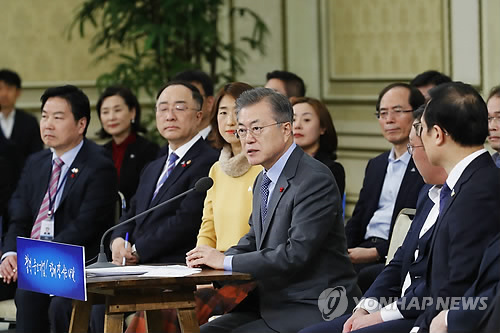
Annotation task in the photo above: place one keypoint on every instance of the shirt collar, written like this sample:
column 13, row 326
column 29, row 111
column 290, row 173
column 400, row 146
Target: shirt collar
column 458, row 169
column 275, row 171
column 434, row 193
column 68, row 157
column 405, row 158
column 9, row 117
column 204, row 132
column 182, row 150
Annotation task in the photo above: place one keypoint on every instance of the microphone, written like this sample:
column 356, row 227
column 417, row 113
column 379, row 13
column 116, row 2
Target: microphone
column 202, row 185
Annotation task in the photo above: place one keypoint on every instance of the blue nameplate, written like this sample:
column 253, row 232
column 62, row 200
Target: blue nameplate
column 51, row 268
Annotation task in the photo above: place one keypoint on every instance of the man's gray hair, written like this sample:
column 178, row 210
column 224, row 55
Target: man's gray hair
column 280, row 105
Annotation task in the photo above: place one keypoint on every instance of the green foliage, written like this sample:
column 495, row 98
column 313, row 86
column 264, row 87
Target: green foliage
column 151, row 40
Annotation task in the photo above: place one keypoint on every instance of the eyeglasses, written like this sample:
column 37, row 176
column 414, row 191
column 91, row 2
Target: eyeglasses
column 494, row 119
column 177, row 107
column 411, row 149
column 383, row 114
column 418, row 128
column 241, row 133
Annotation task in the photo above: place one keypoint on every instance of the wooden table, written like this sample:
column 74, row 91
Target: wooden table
column 132, row 293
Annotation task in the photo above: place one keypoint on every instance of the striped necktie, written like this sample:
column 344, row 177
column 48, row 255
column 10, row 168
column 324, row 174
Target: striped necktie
column 170, row 166
column 49, row 198
column 264, row 193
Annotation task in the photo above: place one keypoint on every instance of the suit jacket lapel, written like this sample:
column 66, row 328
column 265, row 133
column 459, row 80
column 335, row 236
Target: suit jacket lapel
column 78, row 166
column 43, row 181
column 179, row 169
column 288, row 172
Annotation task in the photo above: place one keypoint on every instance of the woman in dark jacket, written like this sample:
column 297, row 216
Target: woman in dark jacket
column 120, row 116
column 314, row 132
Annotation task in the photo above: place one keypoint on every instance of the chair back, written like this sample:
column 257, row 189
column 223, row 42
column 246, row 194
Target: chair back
column 401, row 227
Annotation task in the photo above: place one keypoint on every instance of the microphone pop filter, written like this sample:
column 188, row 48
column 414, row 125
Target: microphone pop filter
column 203, row 184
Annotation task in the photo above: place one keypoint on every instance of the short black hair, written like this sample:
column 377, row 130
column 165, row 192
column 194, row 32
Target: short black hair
column 415, row 100
column 460, row 111
column 129, row 98
column 280, row 105
column 196, row 75
column 430, row 77
column 195, row 92
column 11, row 78
column 417, row 114
column 79, row 102
column 294, row 85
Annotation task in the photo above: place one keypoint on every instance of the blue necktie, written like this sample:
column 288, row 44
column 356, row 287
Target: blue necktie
column 264, row 193
column 170, row 166
column 444, row 196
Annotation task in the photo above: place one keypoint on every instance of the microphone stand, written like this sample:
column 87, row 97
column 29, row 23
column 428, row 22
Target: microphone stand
column 102, row 260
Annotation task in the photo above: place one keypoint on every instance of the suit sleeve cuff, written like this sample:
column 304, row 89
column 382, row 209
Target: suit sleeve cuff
column 390, row 312
column 369, row 304
column 228, row 263
column 6, row 254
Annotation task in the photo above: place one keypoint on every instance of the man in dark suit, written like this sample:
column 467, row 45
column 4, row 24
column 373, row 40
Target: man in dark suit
column 19, row 135
column 454, row 128
column 391, row 183
column 401, row 279
column 166, row 234
column 494, row 123
column 465, row 317
column 296, row 247
column 71, row 188
column 286, row 83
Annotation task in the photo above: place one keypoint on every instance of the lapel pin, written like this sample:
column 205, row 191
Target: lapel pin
column 412, row 170
column 281, row 189
column 74, row 171
column 132, row 156
column 452, row 192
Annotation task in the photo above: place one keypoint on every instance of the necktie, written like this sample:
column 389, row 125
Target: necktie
column 444, row 196
column 48, row 199
column 264, row 193
column 170, row 166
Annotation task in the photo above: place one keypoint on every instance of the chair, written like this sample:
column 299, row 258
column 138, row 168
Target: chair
column 401, row 227
column 7, row 314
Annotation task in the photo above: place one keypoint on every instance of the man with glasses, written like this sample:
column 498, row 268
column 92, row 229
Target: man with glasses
column 167, row 233
column 454, row 128
column 296, row 246
column 494, row 123
column 400, row 279
column 391, row 183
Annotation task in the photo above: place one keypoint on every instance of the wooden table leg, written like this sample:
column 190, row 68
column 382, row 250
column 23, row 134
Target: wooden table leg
column 153, row 320
column 80, row 316
column 188, row 320
column 113, row 323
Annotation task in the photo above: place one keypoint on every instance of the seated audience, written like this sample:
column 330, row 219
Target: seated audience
column 427, row 80
column 286, row 83
column 120, row 116
column 293, row 248
column 454, row 128
column 71, row 188
column 19, row 137
column 399, row 279
column 226, row 210
column 167, row 233
column 494, row 123
column 391, row 183
column 314, row 132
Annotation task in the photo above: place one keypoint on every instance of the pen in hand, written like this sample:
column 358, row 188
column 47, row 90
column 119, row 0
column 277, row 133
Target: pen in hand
column 126, row 245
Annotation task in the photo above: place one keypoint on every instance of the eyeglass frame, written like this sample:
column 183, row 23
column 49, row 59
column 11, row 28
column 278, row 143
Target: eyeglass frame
column 411, row 149
column 397, row 113
column 256, row 131
column 174, row 109
column 418, row 128
column 494, row 118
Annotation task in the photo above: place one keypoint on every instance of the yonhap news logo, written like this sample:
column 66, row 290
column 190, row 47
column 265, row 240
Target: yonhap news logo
column 333, row 302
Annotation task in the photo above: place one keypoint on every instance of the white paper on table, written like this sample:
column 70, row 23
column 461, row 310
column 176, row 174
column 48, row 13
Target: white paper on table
column 144, row 270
